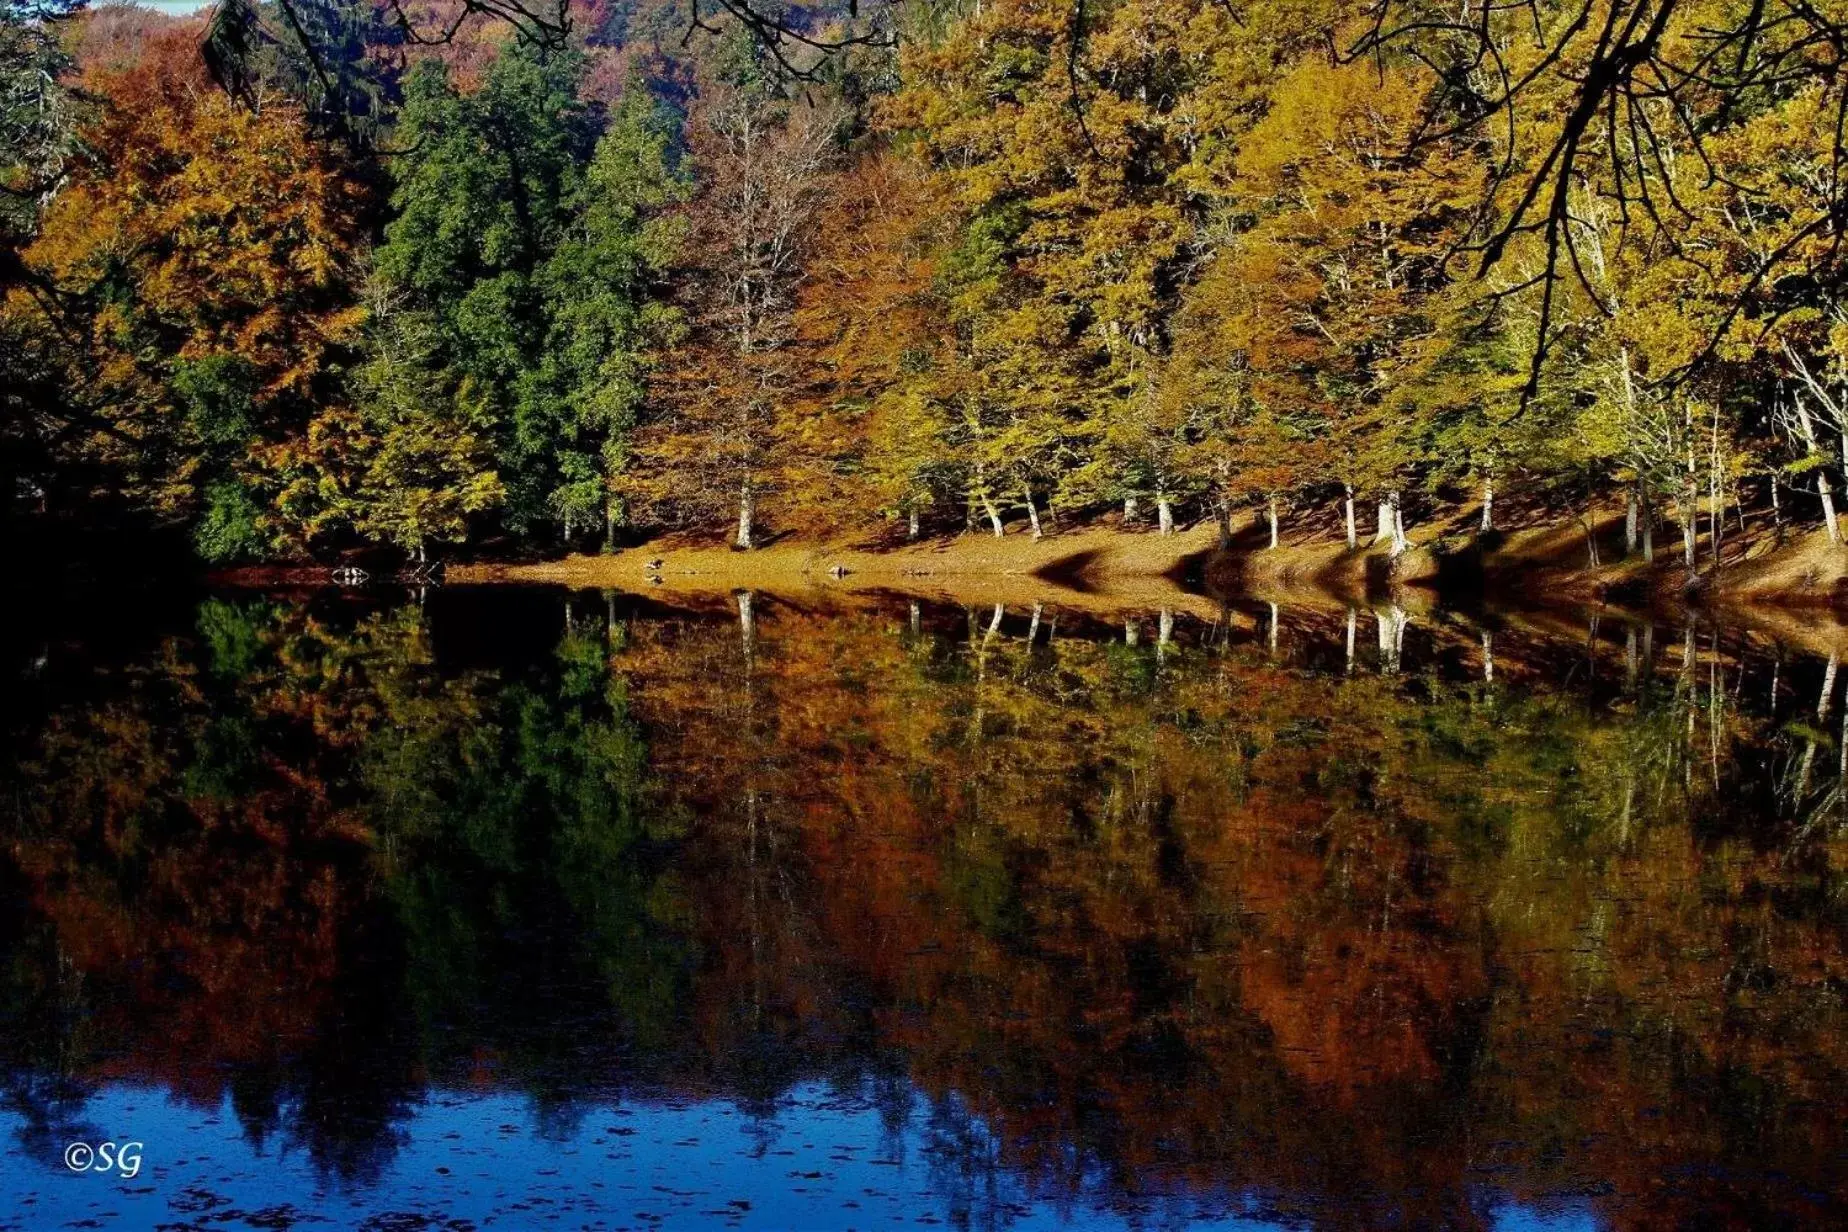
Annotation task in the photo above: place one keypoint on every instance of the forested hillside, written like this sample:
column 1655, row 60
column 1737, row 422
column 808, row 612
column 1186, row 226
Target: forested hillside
column 300, row 279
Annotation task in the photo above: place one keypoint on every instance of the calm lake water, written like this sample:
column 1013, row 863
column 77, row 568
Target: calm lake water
column 518, row 908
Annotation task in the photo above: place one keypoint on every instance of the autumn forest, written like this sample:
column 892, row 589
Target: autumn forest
column 288, row 281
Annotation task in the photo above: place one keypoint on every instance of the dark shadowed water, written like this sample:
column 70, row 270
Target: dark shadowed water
column 519, row 909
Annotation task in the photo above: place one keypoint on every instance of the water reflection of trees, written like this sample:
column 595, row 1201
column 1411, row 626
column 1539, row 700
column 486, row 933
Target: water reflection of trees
column 1218, row 906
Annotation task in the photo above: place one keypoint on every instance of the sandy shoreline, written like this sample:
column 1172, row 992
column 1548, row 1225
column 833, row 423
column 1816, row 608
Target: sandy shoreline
column 1794, row 580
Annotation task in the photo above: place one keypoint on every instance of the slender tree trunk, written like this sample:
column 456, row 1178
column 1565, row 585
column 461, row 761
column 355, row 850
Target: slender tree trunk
column 1828, row 687
column 1032, row 512
column 1831, row 501
column 1488, row 505
column 1271, row 511
column 1347, row 512
column 994, row 515
column 747, row 516
column 1629, row 522
column 1384, row 533
column 1222, row 503
column 1715, row 518
column 1690, row 499
column 1648, row 531
column 911, row 524
column 1034, row 624
column 1488, row 658
column 1823, row 488
column 1270, row 632
column 1716, row 513
column 1352, row 620
column 1164, row 513
column 1164, row 633
column 1398, row 525
column 609, row 526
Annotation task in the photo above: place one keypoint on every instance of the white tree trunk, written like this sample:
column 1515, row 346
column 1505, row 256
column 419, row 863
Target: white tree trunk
column 747, row 516
column 1823, row 488
column 1398, row 525
column 1488, row 505
column 1384, row 533
column 1828, row 687
column 1716, row 511
column 1488, row 658
column 1352, row 620
column 1032, row 512
column 994, row 515
column 1629, row 522
column 912, row 524
column 1347, row 509
column 1129, row 510
column 1716, row 517
column 1164, row 514
column 1271, row 512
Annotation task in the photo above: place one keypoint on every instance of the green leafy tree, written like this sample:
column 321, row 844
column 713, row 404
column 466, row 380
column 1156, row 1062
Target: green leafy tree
column 482, row 201
column 602, row 314
column 535, row 252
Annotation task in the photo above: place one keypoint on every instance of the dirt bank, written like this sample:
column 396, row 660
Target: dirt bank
column 1096, row 568
column 1552, row 560
column 1540, row 558
column 1544, row 561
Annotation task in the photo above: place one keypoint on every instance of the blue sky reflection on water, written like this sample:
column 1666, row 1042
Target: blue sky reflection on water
column 820, row 1158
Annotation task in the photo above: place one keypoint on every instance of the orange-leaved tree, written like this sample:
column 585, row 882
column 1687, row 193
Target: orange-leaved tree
column 713, row 443
column 202, row 264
